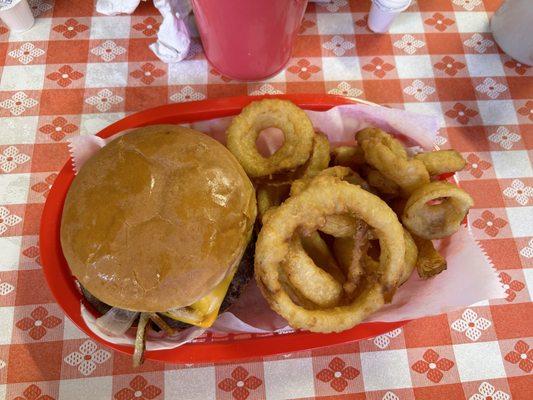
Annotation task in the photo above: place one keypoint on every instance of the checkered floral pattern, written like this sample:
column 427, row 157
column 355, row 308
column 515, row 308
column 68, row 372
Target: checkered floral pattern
column 38, row 322
column 26, row 53
column 76, row 72
column 18, row 103
column 87, row 357
column 471, row 324
column 337, row 374
column 138, row 388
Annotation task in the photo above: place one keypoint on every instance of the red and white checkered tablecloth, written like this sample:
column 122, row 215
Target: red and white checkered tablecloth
column 75, row 72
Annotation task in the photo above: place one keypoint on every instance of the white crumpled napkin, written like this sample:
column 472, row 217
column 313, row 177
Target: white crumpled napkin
column 114, row 7
column 173, row 37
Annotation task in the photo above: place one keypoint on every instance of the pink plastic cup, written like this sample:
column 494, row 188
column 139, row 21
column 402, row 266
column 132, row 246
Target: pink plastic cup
column 248, row 40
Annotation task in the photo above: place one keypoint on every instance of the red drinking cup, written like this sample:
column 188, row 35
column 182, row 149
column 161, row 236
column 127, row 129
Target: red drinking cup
column 248, row 40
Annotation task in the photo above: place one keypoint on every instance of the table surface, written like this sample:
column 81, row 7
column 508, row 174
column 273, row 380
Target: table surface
column 75, row 72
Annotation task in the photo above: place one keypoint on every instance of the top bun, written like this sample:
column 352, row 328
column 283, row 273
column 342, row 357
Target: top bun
column 157, row 218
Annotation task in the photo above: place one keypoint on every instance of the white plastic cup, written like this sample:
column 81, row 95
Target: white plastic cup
column 17, row 16
column 512, row 29
column 383, row 12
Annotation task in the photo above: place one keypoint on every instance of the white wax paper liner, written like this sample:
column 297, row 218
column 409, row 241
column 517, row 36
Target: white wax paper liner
column 470, row 277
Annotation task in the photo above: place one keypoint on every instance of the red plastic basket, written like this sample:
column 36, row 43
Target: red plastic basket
column 63, row 284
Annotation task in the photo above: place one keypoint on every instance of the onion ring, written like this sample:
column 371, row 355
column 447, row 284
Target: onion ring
column 269, row 196
column 381, row 183
column 442, row 161
column 339, row 225
column 437, row 220
column 388, row 156
column 274, row 192
column 349, row 252
column 318, row 161
column 345, row 173
column 375, row 133
column 259, row 115
column 411, row 255
column 319, row 252
column 343, row 251
column 336, row 225
column 310, row 280
column 410, row 258
column 429, row 261
column 327, row 195
column 348, row 156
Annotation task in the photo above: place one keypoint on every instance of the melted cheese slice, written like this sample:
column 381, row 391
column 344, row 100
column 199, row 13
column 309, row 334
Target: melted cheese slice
column 204, row 312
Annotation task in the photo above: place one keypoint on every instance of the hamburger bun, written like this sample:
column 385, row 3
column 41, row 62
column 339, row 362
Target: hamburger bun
column 242, row 277
column 157, row 218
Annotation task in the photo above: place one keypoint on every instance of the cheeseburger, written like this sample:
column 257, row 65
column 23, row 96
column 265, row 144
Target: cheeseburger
column 159, row 222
